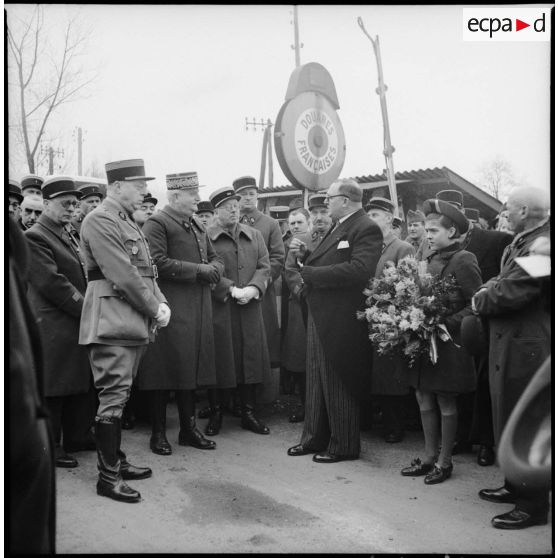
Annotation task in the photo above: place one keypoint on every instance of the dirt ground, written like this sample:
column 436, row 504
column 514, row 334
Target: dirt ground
column 248, row 495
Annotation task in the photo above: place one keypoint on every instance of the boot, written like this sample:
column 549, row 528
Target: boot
column 189, row 433
column 250, row 422
column 110, row 483
column 215, row 421
column 158, row 410
column 127, row 470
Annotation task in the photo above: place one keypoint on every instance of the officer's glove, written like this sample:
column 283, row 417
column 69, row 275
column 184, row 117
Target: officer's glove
column 163, row 315
column 207, row 273
column 247, row 294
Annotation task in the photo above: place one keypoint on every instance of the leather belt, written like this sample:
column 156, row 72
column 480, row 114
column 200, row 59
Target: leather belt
column 144, row 270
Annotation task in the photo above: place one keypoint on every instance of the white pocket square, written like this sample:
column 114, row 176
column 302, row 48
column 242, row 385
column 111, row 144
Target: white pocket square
column 343, row 244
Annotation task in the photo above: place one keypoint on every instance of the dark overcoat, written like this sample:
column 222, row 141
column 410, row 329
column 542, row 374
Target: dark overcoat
column 271, row 233
column 335, row 274
column 32, row 511
column 488, row 247
column 390, row 374
column 57, row 284
column 454, row 372
column 183, row 354
column 518, row 310
column 246, row 263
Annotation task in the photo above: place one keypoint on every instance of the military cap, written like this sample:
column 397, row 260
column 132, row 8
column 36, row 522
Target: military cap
column 90, row 190
column 472, row 214
column 415, row 216
column 148, row 198
column 397, row 222
column 244, row 182
column 222, row 195
column 381, row 203
column 130, row 169
column 205, row 206
column 15, row 190
column 455, row 197
column 31, row 181
column 279, row 212
column 317, row 200
column 183, row 181
column 295, row 203
column 59, row 185
column 451, row 211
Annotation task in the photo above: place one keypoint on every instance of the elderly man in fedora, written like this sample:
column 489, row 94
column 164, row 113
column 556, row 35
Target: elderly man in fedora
column 57, row 286
column 123, row 308
column 182, row 359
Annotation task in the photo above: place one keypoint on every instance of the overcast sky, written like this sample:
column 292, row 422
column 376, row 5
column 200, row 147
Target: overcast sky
column 175, row 84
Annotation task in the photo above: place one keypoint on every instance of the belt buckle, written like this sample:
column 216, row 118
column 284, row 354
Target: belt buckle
column 155, row 273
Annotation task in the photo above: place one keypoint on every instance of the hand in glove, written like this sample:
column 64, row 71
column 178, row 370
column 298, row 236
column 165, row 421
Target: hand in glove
column 247, row 294
column 163, row 315
column 207, row 273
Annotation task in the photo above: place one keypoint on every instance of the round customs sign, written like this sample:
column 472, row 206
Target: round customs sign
column 309, row 141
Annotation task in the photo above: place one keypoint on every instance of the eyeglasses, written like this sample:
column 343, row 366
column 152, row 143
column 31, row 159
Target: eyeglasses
column 327, row 198
column 66, row 204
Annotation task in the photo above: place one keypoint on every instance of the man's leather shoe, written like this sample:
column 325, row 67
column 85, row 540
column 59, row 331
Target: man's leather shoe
column 326, row 457
column 299, row 450
column 417, row 468
column 159, row 444
column 298, row 415
column 66, row 461
column 438, row 474
column 249, row 421
column 519, row 519
column 462, row 447
column 131, row 472
column 393, row 437
column 498, row 495
column 118, row 491
column 485, row 456
column 195, row 439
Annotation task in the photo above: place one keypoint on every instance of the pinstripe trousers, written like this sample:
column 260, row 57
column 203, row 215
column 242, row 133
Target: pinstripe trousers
column 332, row 417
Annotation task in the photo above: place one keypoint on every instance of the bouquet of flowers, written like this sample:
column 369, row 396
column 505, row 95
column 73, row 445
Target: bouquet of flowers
column 405, row 309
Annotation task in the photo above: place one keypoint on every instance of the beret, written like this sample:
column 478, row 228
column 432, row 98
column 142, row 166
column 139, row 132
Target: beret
column 454, row 197
column 445, row 208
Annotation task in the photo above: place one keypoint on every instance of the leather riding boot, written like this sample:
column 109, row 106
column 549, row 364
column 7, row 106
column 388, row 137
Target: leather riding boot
column 158, row 411
column 213, row 426
column 110, row 483
column 127, row 470
column 189, row 434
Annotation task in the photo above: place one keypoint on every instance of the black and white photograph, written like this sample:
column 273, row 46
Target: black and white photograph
column 279, row 279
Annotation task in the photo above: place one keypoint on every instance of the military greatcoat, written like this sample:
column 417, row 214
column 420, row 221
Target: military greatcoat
column 271, row 232
column 518, row 310
column 122, row 296
column 390, row 374
column 240, row 327
column 57, row 285
column 454, row 372
column 183, row 355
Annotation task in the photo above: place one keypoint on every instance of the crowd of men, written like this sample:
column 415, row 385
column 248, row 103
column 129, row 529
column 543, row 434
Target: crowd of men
column 184, row 298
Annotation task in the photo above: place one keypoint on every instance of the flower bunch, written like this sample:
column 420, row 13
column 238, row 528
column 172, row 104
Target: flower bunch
column 405, row 309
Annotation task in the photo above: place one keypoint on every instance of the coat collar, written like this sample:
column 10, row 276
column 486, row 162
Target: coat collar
column 251, row 218
column 535, row 231
column 180, row 218
column 447, row 252
column 216, row 230
column 51, row 225
column 390, row 239
column 114, row 206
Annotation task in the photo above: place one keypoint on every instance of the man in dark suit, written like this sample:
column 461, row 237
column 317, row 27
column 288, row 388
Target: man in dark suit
column 57, row 284
column 339, row 351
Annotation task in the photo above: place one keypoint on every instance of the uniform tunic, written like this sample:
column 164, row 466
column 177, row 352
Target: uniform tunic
column 58, row 283
column 240, row 327
column 390, row 374
column 518, row 309
column 454, row 371
column 271, row 233
column 183, row 355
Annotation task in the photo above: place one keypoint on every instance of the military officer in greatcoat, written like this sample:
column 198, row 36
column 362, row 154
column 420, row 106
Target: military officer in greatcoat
column 91, row 197
column 390, row 375
column 123, row 308
column 14, row 199
column 31, row 185
column 246, row 188
column 474, row 418
column 182, row 359
column 241, row 345
column 57, row 284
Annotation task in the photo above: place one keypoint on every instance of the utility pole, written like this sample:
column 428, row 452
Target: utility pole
column 297, row 46
column 51, row 153
column 80, row 151
column 267, row 148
